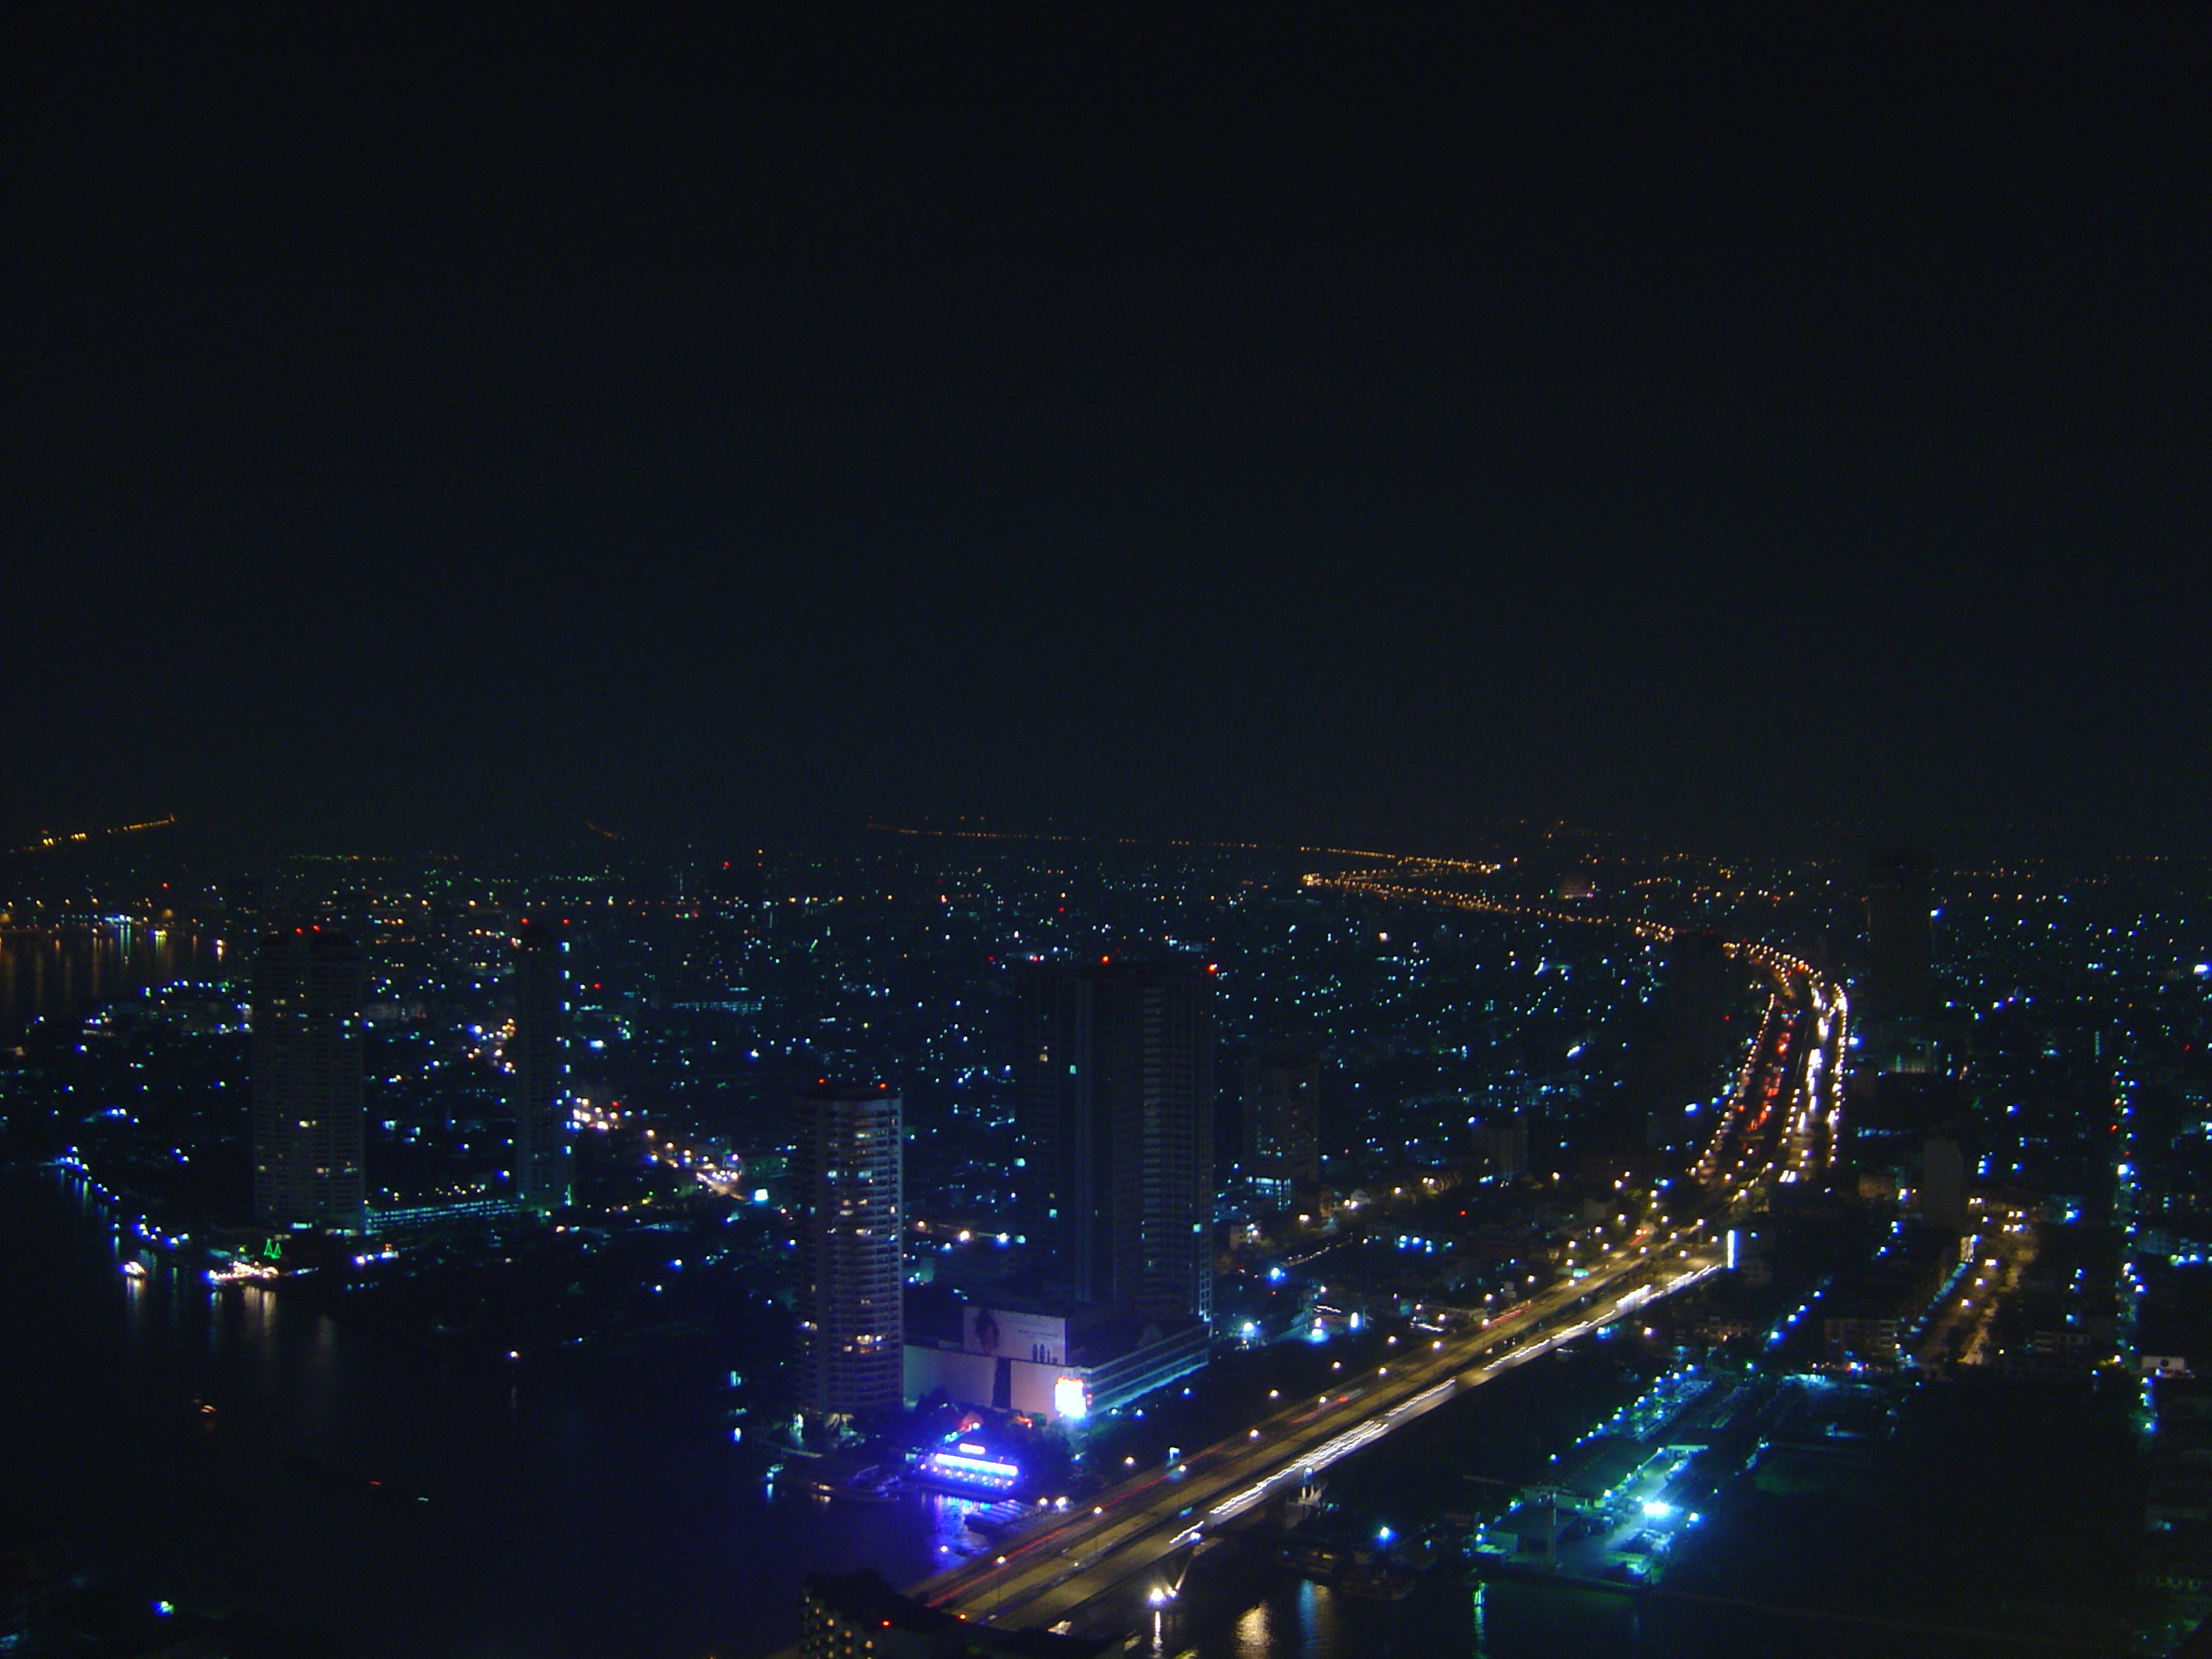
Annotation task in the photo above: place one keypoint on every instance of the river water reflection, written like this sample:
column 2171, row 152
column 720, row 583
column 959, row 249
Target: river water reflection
column 63, row 973
column 555, row 1526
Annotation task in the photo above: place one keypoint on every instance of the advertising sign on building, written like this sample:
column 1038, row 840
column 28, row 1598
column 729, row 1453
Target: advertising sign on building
column 1040, row 1338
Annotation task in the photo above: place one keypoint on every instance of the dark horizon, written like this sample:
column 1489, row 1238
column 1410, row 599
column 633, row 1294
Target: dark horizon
column 187, row 843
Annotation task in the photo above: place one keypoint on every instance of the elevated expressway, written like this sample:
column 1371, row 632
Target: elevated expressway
column 1100, row 1567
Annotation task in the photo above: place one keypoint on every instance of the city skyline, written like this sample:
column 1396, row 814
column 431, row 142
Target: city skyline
column 1315, row 831
column 824, row 1328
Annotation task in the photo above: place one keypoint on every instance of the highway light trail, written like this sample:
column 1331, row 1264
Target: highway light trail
column 1316, row 1461
column 1787, row 1093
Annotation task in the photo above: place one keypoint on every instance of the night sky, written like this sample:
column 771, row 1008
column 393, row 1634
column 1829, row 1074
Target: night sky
column 1341, row 421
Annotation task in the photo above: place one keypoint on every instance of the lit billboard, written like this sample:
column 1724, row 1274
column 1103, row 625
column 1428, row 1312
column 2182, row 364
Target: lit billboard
column 1040, row 1338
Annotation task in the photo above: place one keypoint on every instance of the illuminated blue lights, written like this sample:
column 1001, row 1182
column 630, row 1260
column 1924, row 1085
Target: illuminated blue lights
column 960, row 1468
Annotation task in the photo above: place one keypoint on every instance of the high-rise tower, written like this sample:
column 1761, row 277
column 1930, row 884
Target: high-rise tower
column 1900, row 932
column 308, row 987
column 1116, row 1109
column 1282, row 1119
column 846, row 1183
column 1693, row 1044
column 537, row 1075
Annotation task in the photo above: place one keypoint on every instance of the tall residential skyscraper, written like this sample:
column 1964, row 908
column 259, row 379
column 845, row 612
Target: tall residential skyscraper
column 1692, row 1045
column 1116, row 1109
column 1282, row 1119
column 308, row 987
column 1900, row 979
column 846, row 1183
column 537, row 1076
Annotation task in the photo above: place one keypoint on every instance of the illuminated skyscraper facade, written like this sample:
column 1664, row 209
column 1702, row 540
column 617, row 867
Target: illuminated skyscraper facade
column 309, row 984
column 537, row 1069
column 1115, row 1104
column 845, row 1189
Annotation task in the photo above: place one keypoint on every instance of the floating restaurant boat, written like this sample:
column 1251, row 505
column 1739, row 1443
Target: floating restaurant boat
column 1378, row 1583
column 872, row 1484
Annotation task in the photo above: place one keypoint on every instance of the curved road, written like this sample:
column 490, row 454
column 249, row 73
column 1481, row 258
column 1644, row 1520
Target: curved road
column 1779, row 1128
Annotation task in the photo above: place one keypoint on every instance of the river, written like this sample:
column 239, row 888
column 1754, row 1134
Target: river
column 558, row 1526
column 63, row 973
